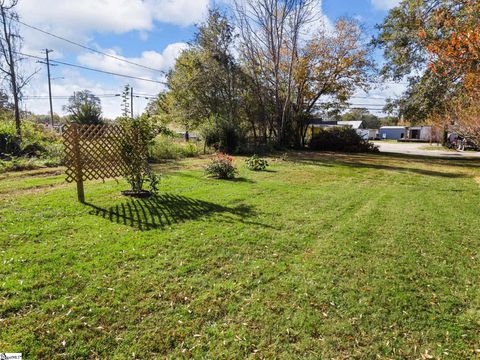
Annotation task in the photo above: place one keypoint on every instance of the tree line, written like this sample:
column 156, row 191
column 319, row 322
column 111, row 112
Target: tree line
column 265, row 72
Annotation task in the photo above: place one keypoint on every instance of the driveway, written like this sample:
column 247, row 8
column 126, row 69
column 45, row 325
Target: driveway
column 416, row 149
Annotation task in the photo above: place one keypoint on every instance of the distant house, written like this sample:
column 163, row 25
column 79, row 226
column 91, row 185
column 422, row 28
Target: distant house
column 320, row 124
column 357, row 125
column 392, row 132
column 421, row 133
column 367, row 134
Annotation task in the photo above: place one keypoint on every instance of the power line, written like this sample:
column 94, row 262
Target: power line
column 108, row 72
column 66, row 97
column 104, row 95
column 371, row 97
column 89, row 48
column 92, row 69
column 140, row 65
column 361, row 104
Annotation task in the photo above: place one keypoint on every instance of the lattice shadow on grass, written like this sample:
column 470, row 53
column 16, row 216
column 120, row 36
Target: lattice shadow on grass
column 164, row 210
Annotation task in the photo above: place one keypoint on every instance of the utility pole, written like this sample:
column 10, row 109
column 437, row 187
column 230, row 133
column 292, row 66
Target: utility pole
column 47, row 51
column 131, row 102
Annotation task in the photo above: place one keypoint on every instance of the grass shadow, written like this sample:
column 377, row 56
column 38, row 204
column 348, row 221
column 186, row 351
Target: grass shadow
column 373, row 161
column 268, row 171
column 241, row 180
column 165, row 210
column 405, row 169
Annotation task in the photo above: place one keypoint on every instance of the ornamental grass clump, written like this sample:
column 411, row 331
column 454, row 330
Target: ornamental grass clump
column 256, row 163
column 221, row 167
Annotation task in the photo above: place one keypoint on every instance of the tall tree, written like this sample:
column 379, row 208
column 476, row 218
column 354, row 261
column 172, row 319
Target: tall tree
column 436, row 44
column 206, row 80
column 332, row 66
column 451, row 37
column 271, row 34
column 279, row 77
column 10, row 45
column 297, row 63
column 84, row 108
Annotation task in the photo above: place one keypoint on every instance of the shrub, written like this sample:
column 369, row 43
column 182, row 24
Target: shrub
column 35, row 139
column 19, row 164
column 39, row 147
column 189, row 149
column 256, row 163
column 54, row 155
column 32, row 148
column 223, row 136
column 221, row 167
column 340, row 139
column 9, row 141
column 166, row 147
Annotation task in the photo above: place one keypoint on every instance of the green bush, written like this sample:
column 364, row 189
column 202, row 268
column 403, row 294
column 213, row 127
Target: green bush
column 9, row 141
column 223, row 136
column 54, row 155
column 20, row 164
column 340, row 139
column 256, row 163
column 221, row 167
column 167, row 147
column 35, row 139
column 39, row 147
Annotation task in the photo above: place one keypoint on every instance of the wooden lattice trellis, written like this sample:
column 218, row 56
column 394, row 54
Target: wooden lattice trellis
column 95, row 152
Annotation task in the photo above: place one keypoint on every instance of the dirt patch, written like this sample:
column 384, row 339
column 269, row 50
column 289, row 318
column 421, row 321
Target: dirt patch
column 31, row 190
column 44, row 172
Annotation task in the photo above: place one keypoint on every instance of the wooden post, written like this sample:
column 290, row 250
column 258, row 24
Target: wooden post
column 78, row 164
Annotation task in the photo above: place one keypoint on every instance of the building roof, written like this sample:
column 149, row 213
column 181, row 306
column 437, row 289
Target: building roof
column 393, row 128
column 321, row 122
column 355, row 124
column 416, row 127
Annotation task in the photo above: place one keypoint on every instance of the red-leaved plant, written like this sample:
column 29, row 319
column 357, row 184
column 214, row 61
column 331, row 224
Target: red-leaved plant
column 221, row 167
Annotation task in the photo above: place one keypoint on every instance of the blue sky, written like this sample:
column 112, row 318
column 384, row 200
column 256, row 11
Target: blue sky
column 149, row 32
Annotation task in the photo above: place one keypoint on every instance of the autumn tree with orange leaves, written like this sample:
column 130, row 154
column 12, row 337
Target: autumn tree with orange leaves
column 454, row 53
column 436, row 45
column 451, row 37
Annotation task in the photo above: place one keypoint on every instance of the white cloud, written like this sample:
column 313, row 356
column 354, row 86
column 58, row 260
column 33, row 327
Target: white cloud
column 79, row 17
column 152, row 59
column 385, row 4
column 74, row 81
column 111, row 106
column 79, row 21
column 116, row 16
column 180, row 12
column 321, row 22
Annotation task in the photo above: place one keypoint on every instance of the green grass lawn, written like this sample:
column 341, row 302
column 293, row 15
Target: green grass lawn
column 321, row 257
column 435, row 147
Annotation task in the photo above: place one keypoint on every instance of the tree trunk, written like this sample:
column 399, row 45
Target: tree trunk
column 13, row 76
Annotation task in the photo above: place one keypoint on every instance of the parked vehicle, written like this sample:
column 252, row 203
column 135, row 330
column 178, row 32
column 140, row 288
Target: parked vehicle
column 460, row 143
